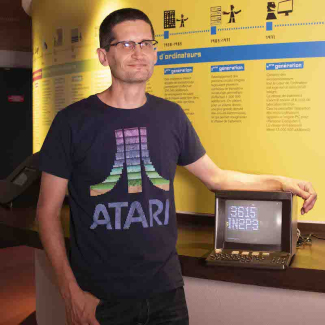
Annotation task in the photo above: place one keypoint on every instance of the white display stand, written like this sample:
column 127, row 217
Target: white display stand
column 49, row 304
column 223, row 303
column 210, row 302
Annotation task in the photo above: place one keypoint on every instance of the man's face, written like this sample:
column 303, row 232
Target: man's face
column 131, row 66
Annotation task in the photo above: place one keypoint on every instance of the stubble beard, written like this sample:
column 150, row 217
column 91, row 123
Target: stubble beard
column 133, row 77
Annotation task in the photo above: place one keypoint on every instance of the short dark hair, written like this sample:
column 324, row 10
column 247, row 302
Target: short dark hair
column 106, row 35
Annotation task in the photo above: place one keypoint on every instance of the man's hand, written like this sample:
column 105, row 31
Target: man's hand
column 301, row 188
column 81, row 308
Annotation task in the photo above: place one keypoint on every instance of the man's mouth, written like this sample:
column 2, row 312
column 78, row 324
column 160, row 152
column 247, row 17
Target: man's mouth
column 138, row 65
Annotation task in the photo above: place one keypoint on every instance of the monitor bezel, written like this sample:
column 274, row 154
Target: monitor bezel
column 286, row 227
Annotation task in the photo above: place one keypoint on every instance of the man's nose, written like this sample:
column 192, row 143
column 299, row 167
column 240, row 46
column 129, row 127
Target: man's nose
column 137, row 50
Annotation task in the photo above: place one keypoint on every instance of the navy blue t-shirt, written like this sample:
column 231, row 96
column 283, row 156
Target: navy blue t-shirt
column 121, row 165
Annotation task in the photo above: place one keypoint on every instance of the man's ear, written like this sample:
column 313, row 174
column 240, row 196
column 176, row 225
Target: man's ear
column 102, row 56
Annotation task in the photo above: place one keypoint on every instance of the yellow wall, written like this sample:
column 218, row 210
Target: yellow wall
column 253, row 120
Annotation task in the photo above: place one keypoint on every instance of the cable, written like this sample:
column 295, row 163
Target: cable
column 303, row 240
column 298, row 234
column 306, row 240
column 318, row 237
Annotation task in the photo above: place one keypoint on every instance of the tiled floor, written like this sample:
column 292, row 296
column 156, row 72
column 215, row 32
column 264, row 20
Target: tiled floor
column 17, row 286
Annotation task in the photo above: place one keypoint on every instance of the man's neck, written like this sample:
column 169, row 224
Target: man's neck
column 125, row 96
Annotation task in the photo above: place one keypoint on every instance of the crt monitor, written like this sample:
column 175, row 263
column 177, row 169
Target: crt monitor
column 255, row 221
column 254, row 227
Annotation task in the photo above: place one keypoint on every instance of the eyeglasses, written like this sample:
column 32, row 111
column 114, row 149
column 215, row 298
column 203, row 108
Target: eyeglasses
column 129, row 46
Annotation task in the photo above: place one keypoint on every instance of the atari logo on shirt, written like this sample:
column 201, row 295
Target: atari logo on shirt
column 132, row 149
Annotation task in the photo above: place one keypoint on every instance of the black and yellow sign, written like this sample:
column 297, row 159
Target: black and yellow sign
column 248, row 74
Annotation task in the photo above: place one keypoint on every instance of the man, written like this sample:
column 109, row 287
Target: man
column 118, row 152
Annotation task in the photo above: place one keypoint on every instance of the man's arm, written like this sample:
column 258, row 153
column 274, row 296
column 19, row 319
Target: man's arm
column 217, row 179
column 80, row 305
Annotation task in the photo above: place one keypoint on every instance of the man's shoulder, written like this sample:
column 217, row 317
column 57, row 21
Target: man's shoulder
column 79, row 108
column 159, row 101
column 79, row 114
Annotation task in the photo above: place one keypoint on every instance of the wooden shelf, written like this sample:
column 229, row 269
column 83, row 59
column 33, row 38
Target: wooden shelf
column 195, row 242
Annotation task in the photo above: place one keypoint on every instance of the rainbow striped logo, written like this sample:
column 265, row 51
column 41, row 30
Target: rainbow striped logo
column 132, row 150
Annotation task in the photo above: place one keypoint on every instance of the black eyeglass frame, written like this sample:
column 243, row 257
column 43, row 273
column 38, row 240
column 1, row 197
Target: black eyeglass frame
column 135, row 43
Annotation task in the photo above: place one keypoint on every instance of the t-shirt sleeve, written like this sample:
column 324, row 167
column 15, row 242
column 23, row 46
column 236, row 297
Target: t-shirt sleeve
column 191, row 147
column 55, row 154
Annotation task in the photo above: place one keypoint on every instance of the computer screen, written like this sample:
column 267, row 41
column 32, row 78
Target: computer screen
column 253, row 222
